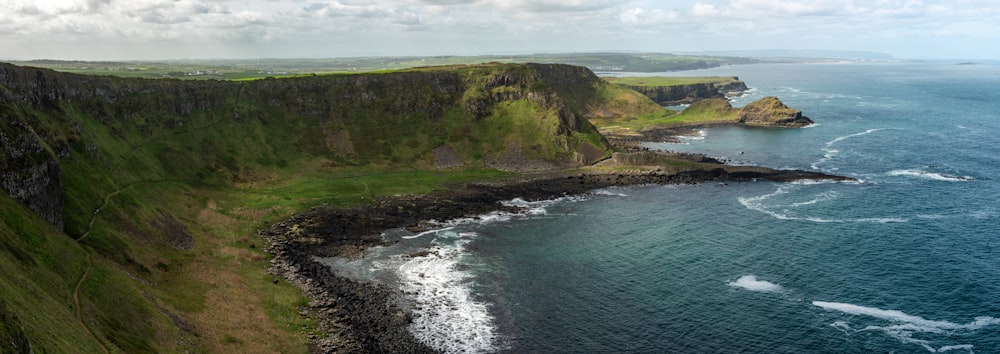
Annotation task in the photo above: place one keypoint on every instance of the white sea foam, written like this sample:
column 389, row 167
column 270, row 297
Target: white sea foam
column 829, row 152
column 446, row 316
column 810, row 182
column 609, row 192
column 842, row 325
column 930, row 175
column 946, row 348
column 903, row 326
column 701, row 134
column 428, row 232
column 988, row 213
column 750, row 282
column 822, row 197
column 783, row 211
column 529, row 208
column 845, row 137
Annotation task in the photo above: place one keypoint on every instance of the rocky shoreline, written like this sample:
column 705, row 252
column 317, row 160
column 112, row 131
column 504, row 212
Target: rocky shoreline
column 368, row 317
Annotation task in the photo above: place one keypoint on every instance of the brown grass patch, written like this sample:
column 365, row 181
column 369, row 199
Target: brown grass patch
column 211, row 219
column 253, row 215
column 240, row 256
column 234, row 320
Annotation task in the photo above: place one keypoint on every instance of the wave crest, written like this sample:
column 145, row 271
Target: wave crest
column 750, row 282
column 446, row 317
column 930, row 175
column 903, row 326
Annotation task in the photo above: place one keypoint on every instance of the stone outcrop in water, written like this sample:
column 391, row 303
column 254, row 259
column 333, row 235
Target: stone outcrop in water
column 771, row 112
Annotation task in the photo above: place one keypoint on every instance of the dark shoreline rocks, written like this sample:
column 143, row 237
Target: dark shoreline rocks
column 368, row 317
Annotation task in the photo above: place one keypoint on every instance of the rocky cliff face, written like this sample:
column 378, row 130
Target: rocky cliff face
column 39, row 188
column 29, row 171
column 683, row 94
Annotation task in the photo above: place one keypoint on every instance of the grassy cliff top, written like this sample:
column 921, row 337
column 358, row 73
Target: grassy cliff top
column 653, row 81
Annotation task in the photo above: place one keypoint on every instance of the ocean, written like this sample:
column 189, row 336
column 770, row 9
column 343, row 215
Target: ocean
column 906, row 260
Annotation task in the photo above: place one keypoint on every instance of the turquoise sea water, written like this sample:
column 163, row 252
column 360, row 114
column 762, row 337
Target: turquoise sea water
column 906, row 261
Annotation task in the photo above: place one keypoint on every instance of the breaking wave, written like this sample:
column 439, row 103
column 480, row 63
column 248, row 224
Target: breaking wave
column 750, row 282
column 930, row 175
column 785, row 212
column 903, row 326
column 446, row 317
column 829, row 152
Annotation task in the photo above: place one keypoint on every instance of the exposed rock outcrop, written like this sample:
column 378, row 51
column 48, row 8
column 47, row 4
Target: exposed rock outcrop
column 28, row 172
column 771, row 112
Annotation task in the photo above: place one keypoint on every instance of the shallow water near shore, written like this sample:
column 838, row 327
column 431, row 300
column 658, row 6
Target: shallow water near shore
column 908, row 260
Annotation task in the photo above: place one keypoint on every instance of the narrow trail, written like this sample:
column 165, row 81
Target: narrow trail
column 93, row 218
column 90, row 265
column 90, row 227
column 79, row 310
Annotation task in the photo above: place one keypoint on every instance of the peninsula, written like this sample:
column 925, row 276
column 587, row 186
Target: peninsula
column 672, row 91
column 132, row 205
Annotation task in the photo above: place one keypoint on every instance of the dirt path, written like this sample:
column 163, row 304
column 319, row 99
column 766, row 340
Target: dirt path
column 90, row 227
column 90, row 265
column 93, row 218
column 79, row 310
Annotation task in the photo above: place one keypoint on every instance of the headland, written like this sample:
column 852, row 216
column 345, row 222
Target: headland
column 148, row 193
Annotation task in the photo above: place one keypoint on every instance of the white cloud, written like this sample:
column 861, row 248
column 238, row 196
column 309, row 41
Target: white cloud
column 552, row 5
column 367, row 27
column 640, row 16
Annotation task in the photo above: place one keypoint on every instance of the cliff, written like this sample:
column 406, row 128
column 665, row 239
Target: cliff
column 123, row 193
column 684, row 93
column 503, row 116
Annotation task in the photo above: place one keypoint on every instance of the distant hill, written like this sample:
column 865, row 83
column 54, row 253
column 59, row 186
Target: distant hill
column 237, row 69
column 798, row 53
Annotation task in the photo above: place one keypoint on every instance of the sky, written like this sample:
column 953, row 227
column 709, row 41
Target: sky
column 176, row 29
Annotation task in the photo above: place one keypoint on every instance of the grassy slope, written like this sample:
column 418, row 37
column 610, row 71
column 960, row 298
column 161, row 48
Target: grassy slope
column 702, row 112
column 216, row 174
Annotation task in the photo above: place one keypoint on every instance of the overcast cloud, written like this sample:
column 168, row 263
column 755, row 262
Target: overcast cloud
column 158, row 29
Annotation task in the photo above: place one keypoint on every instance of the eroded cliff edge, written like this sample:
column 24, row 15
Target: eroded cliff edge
column 685, row 93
